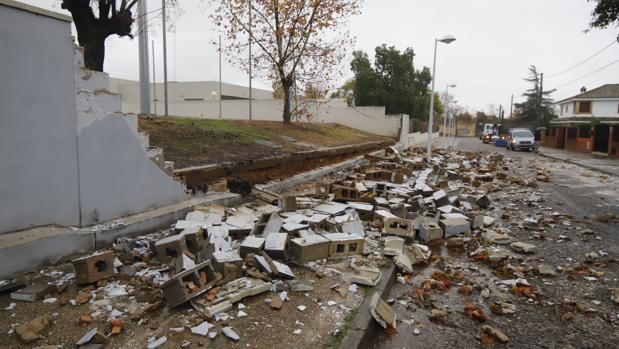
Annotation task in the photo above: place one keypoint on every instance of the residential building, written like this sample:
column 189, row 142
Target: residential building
column 587, row 122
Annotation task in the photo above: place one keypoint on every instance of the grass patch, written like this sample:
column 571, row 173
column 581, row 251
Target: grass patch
column 193, row 141
column 336, row 341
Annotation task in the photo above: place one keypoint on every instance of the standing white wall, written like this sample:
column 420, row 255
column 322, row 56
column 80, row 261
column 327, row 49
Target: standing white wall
column 68, row 155
column 38, row 154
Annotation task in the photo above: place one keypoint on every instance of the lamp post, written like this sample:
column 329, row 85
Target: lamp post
column 446, row 107
column 446, row 40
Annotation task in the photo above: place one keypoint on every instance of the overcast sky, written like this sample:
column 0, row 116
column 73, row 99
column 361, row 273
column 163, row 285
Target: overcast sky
column 496, row 42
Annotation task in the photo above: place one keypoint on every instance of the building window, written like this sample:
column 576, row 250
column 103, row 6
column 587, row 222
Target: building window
column 583, row 107
column 584, row 132
column 340, row 248
column 352, row 248
column 571, row 133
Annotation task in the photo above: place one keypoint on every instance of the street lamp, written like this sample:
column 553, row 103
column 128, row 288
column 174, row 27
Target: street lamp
column 446, row 107
column 448, row 39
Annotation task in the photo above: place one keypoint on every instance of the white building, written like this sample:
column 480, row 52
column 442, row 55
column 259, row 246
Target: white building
column 587, row 122
column 183, row 96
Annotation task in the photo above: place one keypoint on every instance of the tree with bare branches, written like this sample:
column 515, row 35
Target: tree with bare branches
column 299, row 42
column 96, row 20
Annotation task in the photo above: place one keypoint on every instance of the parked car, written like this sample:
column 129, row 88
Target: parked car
column 486, row 138
column 521, row 139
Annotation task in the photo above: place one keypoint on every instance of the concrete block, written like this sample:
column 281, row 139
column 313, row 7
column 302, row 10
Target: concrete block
column 310, row 248
column 170, row 247
column 440, row 198
column 275, row 245
column 342, row 245
column 429, row 232
column 33, row 293
column 189, row 284
column 482, row 201
column 399, row 227
column 251, row 244
column 288, row 203
column 346, row 194
column 95, row 267
column 194, row 239
column 322, row 189
column 455, row 226
column 393, row 245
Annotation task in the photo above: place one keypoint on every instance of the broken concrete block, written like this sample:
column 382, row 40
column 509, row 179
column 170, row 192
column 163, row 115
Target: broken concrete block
column 365, row 276
column 170, row 247
column 288, row 203
column 523, row 247
column 322, row 189
column 482, row 200
column 342, row 245
column 454, row 226
column 189, row 284
column 403, row 262
column 399, row 227
column 430, row 232
column 97, row 266
column 418, row 254
column 310, row 247
column 194, row 239
column 31, row 331
column 32, row 293
column 440, row 198
column 300, row 286
column 493, row 333
column 282, row 270
column 93, row 336
column 393, row 245
column 346, row 194
column 273, row 225
column 251, row 244
column 275, row 245
column 382, row 312
column 546, row 270
column 228, row 332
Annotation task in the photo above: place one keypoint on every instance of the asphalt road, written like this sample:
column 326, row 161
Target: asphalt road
column 572, row 311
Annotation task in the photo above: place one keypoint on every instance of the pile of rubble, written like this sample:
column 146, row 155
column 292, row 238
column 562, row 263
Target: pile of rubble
column 395, row 207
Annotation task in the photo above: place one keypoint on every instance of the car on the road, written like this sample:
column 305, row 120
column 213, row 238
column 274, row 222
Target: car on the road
column 521, row 139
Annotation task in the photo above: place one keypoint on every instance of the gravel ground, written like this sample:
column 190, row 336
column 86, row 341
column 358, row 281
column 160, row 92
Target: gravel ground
column 570, row 311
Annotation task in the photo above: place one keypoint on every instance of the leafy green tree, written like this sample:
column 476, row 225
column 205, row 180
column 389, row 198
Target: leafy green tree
column 347, row 91
column 393, row 82
column 605, row 13
column 537, row 109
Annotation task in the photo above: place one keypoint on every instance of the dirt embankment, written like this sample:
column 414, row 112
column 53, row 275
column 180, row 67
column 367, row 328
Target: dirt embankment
column 194, row 142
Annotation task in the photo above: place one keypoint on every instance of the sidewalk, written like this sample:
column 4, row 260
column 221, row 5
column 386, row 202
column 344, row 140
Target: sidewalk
column 607, row 166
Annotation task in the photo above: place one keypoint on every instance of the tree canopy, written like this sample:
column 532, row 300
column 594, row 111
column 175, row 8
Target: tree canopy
column 537, row 109
column 605, row 13
column 296, row 42
column 392, row 82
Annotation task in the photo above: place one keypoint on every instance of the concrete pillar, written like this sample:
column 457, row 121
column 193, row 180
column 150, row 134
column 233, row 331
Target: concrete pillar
column 592, row 139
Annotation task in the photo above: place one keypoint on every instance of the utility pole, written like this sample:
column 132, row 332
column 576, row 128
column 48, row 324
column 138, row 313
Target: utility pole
column 143, row 58
column 165, row 59
column 154, row 80
column 250, row 91
column 511, row 107
column 220, row 77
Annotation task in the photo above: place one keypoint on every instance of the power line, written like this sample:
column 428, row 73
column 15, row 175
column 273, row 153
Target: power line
column 583, row 62
column 587, row 75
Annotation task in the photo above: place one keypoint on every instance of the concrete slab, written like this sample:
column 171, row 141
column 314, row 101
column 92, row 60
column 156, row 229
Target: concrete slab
column 53, row 244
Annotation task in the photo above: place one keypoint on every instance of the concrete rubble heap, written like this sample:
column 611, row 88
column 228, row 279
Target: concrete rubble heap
column 395, row 209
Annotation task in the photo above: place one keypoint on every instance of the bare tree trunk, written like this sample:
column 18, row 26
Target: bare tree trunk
column 94, row 52
column 286, row 86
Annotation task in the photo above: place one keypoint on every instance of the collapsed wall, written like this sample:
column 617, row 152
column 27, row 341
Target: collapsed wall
column 69, row 156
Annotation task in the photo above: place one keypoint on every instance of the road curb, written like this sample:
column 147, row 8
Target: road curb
column 579, row 164
column 363, row 326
